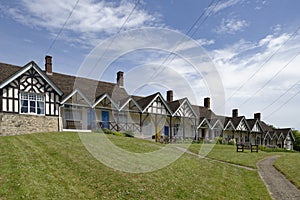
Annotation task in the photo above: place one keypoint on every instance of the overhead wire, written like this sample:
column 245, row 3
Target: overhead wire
column 62, row 28
column 120, row 29
column 264, row 63
column 162, row 66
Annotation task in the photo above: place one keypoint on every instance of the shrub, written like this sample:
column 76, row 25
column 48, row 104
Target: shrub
column 128, row 134
column 231, row 142
column 107, row 131
column 116, row 133
column 219, row 140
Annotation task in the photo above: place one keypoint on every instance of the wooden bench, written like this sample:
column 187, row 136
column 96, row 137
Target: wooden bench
column 71, row 124
column 246, row 145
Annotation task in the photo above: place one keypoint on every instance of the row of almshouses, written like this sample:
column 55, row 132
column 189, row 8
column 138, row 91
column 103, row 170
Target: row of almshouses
column 85, row 104
column 153, row 116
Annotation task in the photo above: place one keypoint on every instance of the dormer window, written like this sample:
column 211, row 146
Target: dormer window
column 32, row 103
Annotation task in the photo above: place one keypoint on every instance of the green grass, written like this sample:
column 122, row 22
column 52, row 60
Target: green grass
column 289, row 164
column 57, row 166
column 228, row 153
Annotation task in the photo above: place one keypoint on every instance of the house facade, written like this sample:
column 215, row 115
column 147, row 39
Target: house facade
column 36, row 100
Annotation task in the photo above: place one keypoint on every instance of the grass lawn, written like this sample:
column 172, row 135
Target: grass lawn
column 57, row 166
column 228, row 153
column 289, row 164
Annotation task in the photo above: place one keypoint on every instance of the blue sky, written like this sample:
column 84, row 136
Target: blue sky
column 252, row 44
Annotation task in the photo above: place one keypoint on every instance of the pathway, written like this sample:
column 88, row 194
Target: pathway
column 278, row 186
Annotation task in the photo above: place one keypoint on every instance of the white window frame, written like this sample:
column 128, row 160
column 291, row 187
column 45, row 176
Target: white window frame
column 32, row 97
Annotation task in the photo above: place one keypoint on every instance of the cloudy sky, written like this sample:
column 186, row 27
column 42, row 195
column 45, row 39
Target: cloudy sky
column 253, row 45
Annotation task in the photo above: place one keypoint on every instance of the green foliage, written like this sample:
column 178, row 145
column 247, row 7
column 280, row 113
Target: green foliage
column 266, row 149
column 297, row 140
column 219, row 140
column 117, row 133
column 231, row 142
column 128, row 134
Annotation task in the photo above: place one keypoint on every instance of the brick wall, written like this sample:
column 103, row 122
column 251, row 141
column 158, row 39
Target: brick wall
column 16, row 124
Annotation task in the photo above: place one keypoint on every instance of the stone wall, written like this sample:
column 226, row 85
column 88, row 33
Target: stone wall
column 16, row 124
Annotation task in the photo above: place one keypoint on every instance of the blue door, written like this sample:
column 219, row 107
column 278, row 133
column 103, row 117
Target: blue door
column 91, row 119
column 166, row 131
column 105, row 119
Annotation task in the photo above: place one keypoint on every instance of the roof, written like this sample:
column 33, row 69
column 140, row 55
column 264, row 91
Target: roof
column 7, row 70
column 91, row 89
column 174, row 105
column 145, row 101
column 236, row 120
column 265, row 127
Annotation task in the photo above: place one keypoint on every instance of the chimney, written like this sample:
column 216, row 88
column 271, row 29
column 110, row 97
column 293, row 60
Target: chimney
column 120, row 79
column 235, row 113
column 48, row 65
column 170, row 95
column 257, row 116
column 207, row 102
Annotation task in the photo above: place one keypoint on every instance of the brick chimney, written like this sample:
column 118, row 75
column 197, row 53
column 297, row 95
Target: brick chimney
column 257, row 116
column 207, row 102
column 48, row 65
column 170, row 95
column 235, row 113
column 120, row 78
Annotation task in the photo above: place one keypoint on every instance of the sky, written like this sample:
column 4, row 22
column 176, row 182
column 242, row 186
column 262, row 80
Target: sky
column 252, row 48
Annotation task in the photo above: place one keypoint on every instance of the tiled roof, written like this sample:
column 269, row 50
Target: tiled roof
column 144, row 102
column 251, row 123
column 265, row 127
column 92, row 89
column 236, row 120
column 284, row 131
column 174, row 105
column 7, row 70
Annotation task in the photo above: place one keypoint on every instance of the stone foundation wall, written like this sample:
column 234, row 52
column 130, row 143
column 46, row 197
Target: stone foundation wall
column 16, row 124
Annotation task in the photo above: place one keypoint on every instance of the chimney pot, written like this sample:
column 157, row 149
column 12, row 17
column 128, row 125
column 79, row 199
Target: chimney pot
column 170, row 95
column 257, row 116
column 207, row 102
column 235, row 113
column 48, row 65
column 120, row 78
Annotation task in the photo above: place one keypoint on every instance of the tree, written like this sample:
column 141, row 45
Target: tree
column 297, row 140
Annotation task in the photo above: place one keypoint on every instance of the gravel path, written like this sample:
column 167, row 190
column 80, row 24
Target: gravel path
column 278, row 186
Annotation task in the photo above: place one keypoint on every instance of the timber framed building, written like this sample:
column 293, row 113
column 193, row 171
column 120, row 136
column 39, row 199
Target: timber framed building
column 36, row 100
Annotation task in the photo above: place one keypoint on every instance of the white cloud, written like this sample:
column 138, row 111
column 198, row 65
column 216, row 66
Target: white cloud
column 90, row 19
column 231, row 26
column 205, row 42
column 238, row 62
column 222, row 5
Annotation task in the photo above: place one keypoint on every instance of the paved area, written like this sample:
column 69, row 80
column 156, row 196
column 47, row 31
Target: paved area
column 278, row 186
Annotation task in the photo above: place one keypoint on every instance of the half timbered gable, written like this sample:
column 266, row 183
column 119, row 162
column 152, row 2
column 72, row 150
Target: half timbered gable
column 185, row 110
column 242, row 126
column 257, row 128
column 29, row 91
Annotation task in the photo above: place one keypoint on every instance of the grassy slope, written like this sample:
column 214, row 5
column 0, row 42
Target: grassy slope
column 228, row 153
column 56, row 165
column 289, row 164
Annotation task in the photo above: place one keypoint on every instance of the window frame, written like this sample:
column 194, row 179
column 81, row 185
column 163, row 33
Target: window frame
column 33, row 102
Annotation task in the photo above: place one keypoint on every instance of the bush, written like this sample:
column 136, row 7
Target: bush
column 219, row 140
column 231, row 142
column 107, row 131
column 116, row 133
column 129, row 134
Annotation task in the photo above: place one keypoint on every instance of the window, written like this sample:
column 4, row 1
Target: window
column 73, row 112
column 32, row 103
